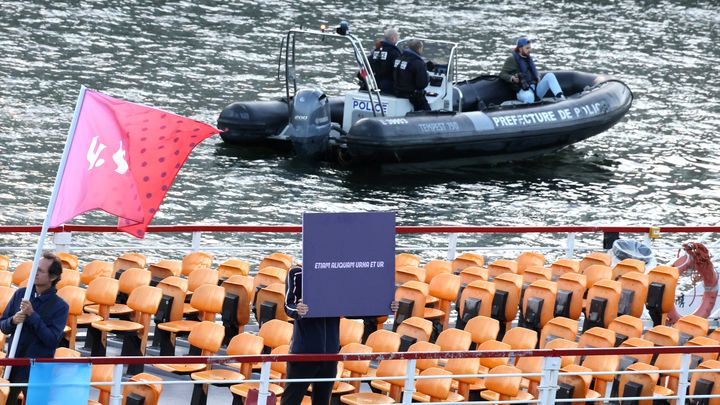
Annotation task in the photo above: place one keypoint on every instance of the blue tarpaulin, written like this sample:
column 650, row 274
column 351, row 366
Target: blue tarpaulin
column 59, row 384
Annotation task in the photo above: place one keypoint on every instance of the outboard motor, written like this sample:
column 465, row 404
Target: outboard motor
column 309, row 128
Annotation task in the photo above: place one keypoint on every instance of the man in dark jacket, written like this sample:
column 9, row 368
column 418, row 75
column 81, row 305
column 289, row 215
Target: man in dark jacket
column 382, row 60
column 519, row 70
column 411, row 76
column 310, row 336
column 43, row 316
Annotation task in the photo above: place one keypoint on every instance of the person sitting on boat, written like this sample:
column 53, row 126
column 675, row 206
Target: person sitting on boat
column 382, row 60
column 519, row 70
column 411, row 76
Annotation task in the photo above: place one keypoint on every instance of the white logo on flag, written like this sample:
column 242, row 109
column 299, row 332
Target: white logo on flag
column 93, row 154
column 119, row 159
column 93, row 157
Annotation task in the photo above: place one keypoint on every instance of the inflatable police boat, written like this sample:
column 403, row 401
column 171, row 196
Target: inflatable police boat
column 476, row 121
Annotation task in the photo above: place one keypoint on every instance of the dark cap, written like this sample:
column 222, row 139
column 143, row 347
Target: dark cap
column 522, row 41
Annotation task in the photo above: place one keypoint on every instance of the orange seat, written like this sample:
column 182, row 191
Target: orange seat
column 468, row 275
column 435, row 267
column 129, row 280
column 244, row 344
column 602, row 364
column 6, row 294
column 356, row 368
column 69, row 261
column 466, row 260
column 435, row 389
column 202, row 276
column 627, row 266
column 272, row 294
column 529, row 259
column 538, row 305
column 571, row 290
column 534, row 273
column 175, row 287
column 407, row 294
column 601, row 306
column 68, row 278
column 562, row 266
column 414, row 327
column 165, row 268
column 279, row 260
column 487, row 363
column 75, row 298
column 597, row 337
column 638, row 342
column 95, row 269
column 661, row 300
column 196, row 260
column 150, row 392
column 563, row 344
column 4, row 263
column 507, row 287
column 22, row 272
column 128, row 261
column 5, row 278
column 597, row 272
column 479, row 290
column 626, row 326
column 382, row 341
column 406, row 259
column 268, row 275
column 580, row 383
column 634, row 293
column 351, row 331
column 233, row 267
column 668, row 380
column 207, row 336
column 453, row 340
column 208, row 300
column 276, row 333
column 144, row 301
column 521, row 338
column 404, row 274
column 504, row 388
column 691, row 326
column 241, row 287
column 708, row 377
column 482, row 329
column 445, row 288
column 458, row 366
column 501, row 266
column 701, row 357
column 559, row 327
column 595, row 258
column 386, row 368
column 663, row 336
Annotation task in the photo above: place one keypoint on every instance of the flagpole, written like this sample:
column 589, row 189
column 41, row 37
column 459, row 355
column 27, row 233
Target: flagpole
column 46, row 222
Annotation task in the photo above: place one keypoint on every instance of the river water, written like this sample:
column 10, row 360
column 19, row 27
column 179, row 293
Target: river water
column 658, row 166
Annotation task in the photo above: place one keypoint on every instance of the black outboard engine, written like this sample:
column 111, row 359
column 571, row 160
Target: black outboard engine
column 309, row 128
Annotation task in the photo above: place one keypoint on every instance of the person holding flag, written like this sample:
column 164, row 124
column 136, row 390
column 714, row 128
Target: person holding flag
column 119, row 157
column 45, row 315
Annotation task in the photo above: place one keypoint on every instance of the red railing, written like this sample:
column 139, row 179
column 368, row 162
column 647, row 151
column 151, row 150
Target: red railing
column 400, row 229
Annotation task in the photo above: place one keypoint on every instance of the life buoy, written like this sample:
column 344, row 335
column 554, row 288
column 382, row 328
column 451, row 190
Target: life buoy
column 697, row 259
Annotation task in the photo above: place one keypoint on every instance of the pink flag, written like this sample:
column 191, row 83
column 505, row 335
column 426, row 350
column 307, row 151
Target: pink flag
column 123, row 159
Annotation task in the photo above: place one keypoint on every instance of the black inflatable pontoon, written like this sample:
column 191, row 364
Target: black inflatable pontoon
column 474, row 121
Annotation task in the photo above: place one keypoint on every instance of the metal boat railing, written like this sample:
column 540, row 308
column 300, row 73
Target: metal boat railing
column 547, row 389
column 662, row 239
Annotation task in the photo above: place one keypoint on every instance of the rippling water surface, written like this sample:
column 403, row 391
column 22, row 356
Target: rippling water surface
column 657, row 166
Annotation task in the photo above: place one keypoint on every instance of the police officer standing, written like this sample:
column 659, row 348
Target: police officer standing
column 382, row 60
column 411, row 76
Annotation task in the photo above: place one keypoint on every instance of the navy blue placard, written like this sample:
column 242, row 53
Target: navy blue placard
column 348, row 263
